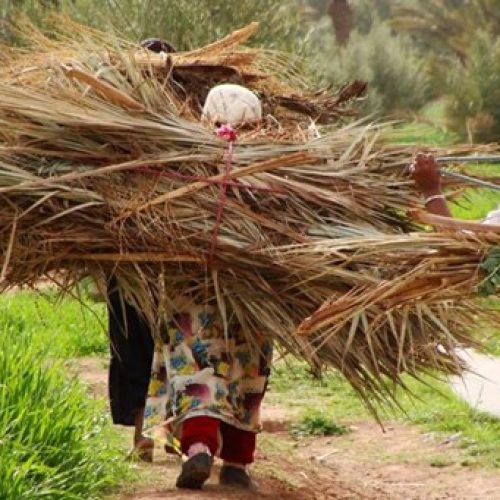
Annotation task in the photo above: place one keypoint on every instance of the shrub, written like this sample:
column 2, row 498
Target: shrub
column 35, row 9
column 396, row 76
column 368, row 12
column 474, row 90
column 52, row 437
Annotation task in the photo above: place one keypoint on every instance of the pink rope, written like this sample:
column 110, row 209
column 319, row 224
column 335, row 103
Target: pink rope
column 228, row 133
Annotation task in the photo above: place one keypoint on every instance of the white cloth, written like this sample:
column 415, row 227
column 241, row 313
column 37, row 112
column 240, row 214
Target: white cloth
column 493, row 217
column 233, row 105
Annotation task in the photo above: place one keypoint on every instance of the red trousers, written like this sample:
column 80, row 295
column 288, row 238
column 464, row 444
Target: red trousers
column 237, row 446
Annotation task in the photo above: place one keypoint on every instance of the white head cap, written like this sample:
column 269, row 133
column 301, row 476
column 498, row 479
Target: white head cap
column 233, row 105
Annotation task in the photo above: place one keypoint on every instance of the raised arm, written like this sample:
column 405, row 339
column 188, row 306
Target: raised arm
column 425, row 172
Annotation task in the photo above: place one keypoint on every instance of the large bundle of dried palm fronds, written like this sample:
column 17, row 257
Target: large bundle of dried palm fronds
column 421, row 303
column 105, row 168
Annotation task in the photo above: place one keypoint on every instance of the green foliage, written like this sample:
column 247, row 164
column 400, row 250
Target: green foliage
column 70, row 327
column 317, row 423
column 460, row 40
column 35, row 9
column 491, row 265
column 396, row 76
column 368, row 13
column 474, row 90
column 490, row 334
column 52, row 436
column 446, row 27
column 316, row 8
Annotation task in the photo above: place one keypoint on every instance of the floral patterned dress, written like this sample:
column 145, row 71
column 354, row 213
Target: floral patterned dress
column 197, row 371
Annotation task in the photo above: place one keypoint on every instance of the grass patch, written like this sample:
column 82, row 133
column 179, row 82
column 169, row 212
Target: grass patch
column 291, row 384
column 70, row 327
column 490, row 334
column 54, row 438
column 419, row 133
column 428, row 129
column 317, row 423
column 475, row 203
column 440, row 462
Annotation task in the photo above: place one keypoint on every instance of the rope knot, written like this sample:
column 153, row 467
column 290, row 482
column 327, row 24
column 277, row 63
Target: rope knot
column 226, row 132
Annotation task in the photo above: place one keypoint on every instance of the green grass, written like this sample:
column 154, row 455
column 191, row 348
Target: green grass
column 421, row 134
column 54, row 440
column 489, row 334
column 291, row 384
column 316, row 423
column 71, row 328
column 428, row 128
column 475, row 204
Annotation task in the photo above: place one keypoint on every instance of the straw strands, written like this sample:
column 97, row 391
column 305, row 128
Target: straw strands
column 105, row 168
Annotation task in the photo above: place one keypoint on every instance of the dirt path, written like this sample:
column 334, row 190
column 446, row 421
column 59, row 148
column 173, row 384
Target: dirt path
column 400, row 464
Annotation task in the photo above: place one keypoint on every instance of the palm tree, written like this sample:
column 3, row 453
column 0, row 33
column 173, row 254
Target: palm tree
column 447, row 25
column 343, row 19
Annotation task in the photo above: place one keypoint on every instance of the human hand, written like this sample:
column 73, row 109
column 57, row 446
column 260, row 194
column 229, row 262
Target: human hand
column 425, row 172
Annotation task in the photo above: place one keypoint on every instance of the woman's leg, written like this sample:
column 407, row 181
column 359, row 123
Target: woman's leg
column 238, row 446
column 130, row 366
column 238, row 451
column 143, row 446
column 205, row 372
column 200, row 430
column 200, row 442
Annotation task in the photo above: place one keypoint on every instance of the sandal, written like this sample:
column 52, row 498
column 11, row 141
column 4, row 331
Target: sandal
column 143, row 450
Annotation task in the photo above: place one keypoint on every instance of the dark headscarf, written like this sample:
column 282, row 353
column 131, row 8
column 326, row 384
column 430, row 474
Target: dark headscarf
column 157, row 45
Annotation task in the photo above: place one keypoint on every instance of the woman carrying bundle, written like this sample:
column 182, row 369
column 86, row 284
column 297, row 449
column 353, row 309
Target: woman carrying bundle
column 207, row 384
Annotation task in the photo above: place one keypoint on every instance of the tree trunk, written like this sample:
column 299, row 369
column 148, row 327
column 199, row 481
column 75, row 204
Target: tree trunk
column 343, row 19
